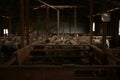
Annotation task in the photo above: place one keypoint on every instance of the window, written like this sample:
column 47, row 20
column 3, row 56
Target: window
column 5, row 31
column 119, row 27
column 93, row 28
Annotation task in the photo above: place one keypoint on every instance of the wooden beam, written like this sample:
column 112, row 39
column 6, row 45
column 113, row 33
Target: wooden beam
column 58, row 67
column 47, row 4
column 59, row 6
column 110, row 10
column 67, row 6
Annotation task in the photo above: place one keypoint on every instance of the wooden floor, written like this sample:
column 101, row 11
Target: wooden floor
column 45, row 72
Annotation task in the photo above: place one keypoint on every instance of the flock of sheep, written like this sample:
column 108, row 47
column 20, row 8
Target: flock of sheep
column 11, row 43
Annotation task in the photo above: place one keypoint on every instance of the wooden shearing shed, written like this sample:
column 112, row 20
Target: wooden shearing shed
column 59, row 39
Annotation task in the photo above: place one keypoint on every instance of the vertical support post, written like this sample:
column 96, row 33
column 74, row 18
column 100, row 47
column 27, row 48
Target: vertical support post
column 69, row 24
column 104, row 26
column 75, row 21
column 9, row 21
column 27, row 19
column 9, row 26
column 22, row 22
column 91, row 21
column 58, row 22
column 47, row 21
column 117, row 31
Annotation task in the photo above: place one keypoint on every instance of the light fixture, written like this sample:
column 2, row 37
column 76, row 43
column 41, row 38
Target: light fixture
column 105, row 17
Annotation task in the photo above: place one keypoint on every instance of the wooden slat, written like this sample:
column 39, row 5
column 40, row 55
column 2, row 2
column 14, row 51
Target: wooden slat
column 97, row 49
column 23, row 54
column 113, row 59
column 61, row 50
column 58, row 56
column 11, row 61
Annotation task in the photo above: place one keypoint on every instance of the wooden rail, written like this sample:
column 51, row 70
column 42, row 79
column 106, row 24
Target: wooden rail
column 23, row 54
column 11, row 61
column 19, row 56
column 97, row 49
column 111, row 55
column 59, row 54
column 98, row 54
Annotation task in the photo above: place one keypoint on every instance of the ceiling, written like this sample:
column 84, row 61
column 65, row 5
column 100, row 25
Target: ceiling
column 11, row 8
